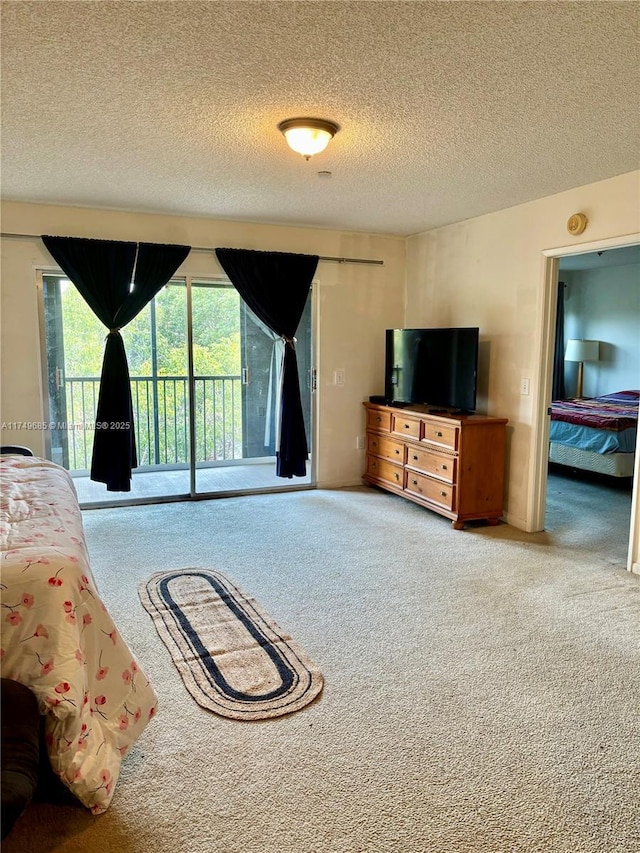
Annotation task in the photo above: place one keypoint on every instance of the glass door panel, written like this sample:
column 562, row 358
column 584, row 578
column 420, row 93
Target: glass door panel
column 156, row 346
column 305, row 368
column 236, row 380
column 259, row 387
column 217, row 383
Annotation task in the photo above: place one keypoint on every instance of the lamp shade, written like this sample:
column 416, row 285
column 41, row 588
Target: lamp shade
column 581, row 350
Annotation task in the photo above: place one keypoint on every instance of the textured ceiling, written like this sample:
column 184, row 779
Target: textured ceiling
column 447, row 110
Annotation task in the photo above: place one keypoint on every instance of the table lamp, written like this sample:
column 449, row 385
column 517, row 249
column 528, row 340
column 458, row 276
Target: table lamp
column 581, row 351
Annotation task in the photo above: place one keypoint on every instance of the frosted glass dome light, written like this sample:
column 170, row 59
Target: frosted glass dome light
column 308, row 136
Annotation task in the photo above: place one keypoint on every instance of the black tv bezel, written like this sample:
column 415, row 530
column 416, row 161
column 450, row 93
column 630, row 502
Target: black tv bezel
column 432, row 405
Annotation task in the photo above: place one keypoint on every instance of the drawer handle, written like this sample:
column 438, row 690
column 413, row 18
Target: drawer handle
column 378, row 419
column 444, row 467
column 414, row 482
column 443, row 494
column 407, row 426
column 415, row 458
column 397, row 452
column 438, row 433
column 374, row 465
column 374, row 444
column 396, row 475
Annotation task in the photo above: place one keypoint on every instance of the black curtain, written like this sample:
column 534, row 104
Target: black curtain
column 275, row 285
column 558, row 389
column 116, row 279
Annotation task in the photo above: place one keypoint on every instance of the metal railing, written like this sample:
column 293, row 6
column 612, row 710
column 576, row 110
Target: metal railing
column 161, row 418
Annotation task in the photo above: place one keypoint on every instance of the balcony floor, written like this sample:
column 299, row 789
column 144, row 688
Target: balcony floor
column 162, row 483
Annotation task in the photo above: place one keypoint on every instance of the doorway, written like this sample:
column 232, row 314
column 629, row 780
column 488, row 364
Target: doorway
column 204, row 384
column 540, row 457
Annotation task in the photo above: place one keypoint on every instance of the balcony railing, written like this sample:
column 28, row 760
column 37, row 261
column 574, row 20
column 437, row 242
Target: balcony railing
column 161, row 418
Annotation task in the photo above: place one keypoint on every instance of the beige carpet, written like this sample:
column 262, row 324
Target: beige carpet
column 481, row 687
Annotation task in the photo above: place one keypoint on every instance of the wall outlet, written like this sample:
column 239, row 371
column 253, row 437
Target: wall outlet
column 525, row 384
column 338, row 377
column 360, row 442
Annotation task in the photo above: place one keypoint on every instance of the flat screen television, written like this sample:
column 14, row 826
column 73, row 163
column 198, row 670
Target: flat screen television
column 434, row 367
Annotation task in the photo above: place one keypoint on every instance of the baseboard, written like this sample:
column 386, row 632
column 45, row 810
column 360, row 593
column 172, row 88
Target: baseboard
column 338, row 484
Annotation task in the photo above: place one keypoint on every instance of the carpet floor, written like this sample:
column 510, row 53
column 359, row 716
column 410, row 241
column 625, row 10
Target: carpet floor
column 481, row 686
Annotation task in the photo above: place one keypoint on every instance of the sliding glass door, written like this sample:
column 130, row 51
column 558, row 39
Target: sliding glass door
column 204, row 377
column 236, row 381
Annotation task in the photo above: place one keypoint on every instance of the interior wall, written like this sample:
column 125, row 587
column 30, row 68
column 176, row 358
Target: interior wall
column 356, row 303
column 604, row 305
column 490, row 272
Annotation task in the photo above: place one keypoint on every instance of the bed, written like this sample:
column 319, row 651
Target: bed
column 58, row 638
column 596, row 434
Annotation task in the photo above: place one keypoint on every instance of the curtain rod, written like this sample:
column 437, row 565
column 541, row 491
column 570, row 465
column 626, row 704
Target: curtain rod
column 368, row 261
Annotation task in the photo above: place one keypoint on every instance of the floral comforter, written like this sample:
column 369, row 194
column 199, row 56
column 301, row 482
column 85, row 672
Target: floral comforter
column 57, row 636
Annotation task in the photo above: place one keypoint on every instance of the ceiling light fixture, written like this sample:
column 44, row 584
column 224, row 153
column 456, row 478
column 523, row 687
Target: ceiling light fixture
column 308, row 136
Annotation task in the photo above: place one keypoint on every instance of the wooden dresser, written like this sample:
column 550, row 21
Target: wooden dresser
column 451, row 464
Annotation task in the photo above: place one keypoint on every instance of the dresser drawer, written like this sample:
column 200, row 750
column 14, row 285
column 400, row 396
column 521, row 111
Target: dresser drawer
column 377, row 419
column 379, row 445
column 380, row 469
column 442, row 434
column 432, row 490
column 436, row 464
column 407, row 426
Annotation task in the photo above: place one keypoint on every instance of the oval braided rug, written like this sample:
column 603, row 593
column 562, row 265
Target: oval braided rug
column 233, row 658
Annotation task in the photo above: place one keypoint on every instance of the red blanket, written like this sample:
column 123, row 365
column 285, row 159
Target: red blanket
column 615, row 412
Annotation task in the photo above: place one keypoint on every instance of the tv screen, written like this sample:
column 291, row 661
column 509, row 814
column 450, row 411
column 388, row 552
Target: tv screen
column 435, row 367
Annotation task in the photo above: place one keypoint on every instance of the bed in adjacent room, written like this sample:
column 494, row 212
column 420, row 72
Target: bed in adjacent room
column 596, row 434
column 58, row 638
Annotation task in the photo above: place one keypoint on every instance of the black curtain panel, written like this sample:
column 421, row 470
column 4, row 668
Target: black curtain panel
column 116, row 279
column 558, row 390
column 275, row 285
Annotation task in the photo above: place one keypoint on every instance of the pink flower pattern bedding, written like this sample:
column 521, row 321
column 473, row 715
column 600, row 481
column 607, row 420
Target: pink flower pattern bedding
column 57, row 636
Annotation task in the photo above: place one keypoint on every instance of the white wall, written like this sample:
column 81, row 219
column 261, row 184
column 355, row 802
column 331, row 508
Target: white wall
column 356, row 304
column 489, row 272
column 604, row 305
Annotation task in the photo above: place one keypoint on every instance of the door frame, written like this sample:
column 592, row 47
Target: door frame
column 539, row 459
